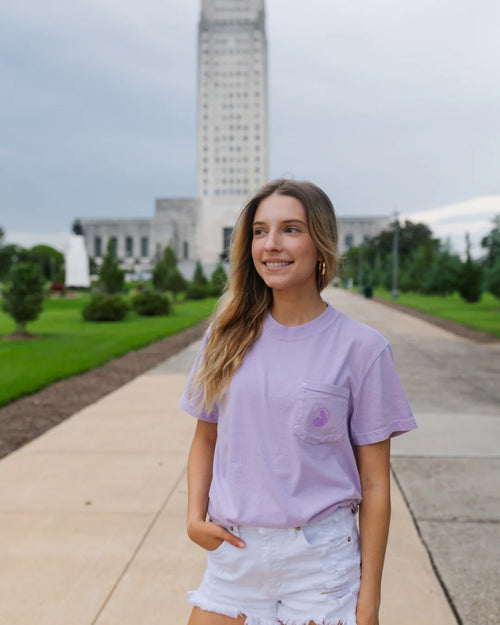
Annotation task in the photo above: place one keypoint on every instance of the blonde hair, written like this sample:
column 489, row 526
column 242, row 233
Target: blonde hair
column 247, row 299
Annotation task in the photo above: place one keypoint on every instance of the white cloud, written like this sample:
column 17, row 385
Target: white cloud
column 453, row 221
column 481, row 207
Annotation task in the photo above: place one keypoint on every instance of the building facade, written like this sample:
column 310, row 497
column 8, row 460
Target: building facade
column 232, row 160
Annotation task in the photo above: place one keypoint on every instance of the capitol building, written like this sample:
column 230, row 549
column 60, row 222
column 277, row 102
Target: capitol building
column 232, row 153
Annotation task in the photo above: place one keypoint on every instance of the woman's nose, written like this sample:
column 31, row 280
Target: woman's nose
column 272, row 240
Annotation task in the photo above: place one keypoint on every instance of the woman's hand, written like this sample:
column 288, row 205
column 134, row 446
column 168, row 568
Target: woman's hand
column 210, row 536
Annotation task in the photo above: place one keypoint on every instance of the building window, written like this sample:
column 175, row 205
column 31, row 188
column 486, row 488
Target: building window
column 144, row 247
column 226, row 241
column 97, row 247
column 129, row 247
column 186, row 250
column 366, row 239
column 114, row 245
column 349, row 241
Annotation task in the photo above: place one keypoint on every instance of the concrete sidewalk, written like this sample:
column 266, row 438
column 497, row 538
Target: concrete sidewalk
column 92, row 514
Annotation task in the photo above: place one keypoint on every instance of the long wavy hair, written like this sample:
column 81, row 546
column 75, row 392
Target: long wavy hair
column 247, row 299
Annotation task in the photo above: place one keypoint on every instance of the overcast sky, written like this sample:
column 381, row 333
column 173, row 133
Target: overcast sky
column 388, row 105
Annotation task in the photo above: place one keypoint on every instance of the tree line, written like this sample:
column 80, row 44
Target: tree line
column 425, row 264
column 26, row 274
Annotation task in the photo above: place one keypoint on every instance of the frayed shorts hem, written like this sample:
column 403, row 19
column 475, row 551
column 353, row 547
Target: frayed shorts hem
column 199, row 602
column 196, row 601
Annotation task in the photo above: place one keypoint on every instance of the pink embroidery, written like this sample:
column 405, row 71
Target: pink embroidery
column 321, row 417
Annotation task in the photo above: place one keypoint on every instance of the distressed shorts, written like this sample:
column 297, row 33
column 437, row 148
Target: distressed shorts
column 286, row 576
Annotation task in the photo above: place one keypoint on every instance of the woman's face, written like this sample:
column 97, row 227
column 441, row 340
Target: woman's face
column 283, row 251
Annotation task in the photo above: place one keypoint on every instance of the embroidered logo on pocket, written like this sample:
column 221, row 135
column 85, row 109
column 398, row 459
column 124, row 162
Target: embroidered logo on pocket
column 321, row 417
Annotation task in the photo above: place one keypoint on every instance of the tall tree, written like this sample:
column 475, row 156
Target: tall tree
column 491, row 243
column 470, row 278
column 50, row 260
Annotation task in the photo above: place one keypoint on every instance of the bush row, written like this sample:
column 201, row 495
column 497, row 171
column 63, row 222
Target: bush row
column 104, row 307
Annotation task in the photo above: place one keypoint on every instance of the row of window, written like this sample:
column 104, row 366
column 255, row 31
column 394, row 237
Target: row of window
column 227, row 51
column 229, row 192
column 129, row 246
column 232, row 159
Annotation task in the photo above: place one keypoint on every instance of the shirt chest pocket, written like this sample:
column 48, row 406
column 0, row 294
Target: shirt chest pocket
column 321, row 415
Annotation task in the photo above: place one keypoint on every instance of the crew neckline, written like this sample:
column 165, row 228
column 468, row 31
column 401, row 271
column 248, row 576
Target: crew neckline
column 302, row 331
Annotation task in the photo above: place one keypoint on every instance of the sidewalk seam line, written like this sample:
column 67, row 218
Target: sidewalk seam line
column 433, row 564
column 139, row 546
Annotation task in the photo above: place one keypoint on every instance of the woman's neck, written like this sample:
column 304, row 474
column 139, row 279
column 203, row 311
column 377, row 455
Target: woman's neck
column 292, row 310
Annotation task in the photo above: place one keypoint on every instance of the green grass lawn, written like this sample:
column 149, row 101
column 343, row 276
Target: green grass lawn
column 69, row 345
column 484, row 315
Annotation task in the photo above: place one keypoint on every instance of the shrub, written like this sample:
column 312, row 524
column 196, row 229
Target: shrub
column 23, row 297
column 150, row 304
column 105, row 308
column 196, row 291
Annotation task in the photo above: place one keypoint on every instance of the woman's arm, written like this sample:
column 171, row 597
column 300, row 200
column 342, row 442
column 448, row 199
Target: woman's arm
column 201, row 456
column 374, row 518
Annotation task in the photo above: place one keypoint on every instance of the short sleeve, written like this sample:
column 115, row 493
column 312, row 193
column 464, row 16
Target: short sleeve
column 380, row 407
column 191, row 398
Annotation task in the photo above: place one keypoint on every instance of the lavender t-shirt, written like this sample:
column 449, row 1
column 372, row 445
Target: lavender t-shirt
column 302, row 398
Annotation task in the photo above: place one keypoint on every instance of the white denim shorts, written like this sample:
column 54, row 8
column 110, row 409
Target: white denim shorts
column 286, row 576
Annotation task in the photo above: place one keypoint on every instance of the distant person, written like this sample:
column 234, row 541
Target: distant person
column 296, row 404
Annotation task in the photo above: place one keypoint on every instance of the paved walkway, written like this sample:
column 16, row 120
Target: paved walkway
column 92, row 514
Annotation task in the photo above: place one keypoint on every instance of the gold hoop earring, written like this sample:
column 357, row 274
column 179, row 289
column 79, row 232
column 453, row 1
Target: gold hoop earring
column 322, row 267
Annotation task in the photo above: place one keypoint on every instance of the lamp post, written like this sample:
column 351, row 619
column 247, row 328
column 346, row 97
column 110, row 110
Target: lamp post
column 395, row 257
column 360, row 269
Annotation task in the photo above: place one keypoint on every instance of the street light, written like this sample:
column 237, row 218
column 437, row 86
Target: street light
column 395, row 259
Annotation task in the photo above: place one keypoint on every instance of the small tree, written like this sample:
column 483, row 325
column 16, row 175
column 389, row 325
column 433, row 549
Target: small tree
column 175, row 282
column 111, row 277
column 170, row 257
column 199, row 277
column 164, row 267
column 470, row 278
column 23, row 298
column 160, row 273
column 218, row 280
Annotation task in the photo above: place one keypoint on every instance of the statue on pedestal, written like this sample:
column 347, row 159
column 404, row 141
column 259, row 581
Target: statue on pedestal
column 77, row 259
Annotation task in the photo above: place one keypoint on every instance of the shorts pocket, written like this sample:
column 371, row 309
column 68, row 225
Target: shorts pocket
column 336, row 547
column 218, row 549
column 322, row 413
column 233, row 530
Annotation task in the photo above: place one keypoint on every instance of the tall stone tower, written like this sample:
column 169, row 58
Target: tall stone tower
column 232, row 116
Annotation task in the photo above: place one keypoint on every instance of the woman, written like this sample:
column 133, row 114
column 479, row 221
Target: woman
column 296, row 404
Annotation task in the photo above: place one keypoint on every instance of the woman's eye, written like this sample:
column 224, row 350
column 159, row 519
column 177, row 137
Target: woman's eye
column 292, row 229
column 257, row 231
